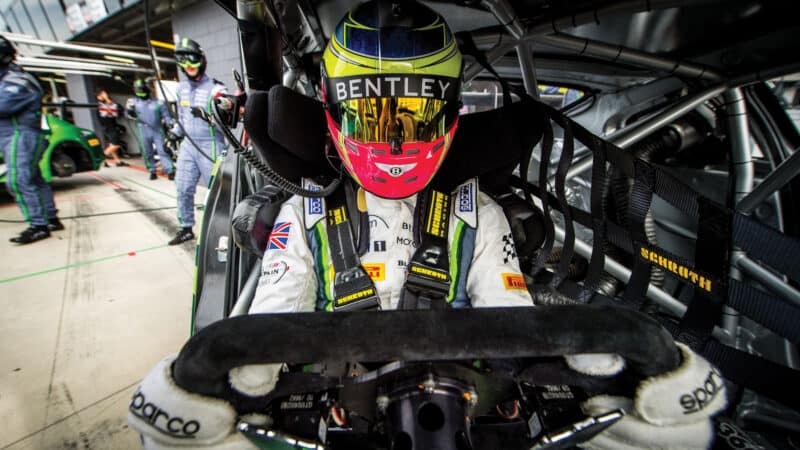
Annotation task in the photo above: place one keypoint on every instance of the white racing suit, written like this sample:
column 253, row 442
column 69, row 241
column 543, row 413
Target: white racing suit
column 297, row 271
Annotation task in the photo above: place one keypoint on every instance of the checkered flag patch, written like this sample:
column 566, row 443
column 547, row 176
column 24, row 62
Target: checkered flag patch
column 509, row 251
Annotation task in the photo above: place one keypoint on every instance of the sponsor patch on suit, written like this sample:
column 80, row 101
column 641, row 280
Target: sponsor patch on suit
column 279, row 237
column 466, row 202
column 274, row 272
column 314, row 207
column 514, row 282
column 376, row 271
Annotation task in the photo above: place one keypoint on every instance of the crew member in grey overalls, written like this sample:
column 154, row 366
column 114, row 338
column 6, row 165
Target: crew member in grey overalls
column 20, row 141
column 149, row 113
column 203, row 142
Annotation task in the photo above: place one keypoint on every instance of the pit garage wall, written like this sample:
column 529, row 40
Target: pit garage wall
column 217, row 33
column 81, row 89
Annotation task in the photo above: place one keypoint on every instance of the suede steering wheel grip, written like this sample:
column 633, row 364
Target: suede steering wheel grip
column 460, row 334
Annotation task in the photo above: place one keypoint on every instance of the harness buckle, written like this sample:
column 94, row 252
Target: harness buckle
column 427, row 281
column 354, row 290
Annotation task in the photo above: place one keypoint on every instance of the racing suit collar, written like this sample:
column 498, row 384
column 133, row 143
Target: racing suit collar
column 203, row 78
column 388, row 202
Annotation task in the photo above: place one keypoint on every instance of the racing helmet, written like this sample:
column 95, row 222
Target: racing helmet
column 391, row 86
column 7, row 51
column 188, row 53
column 141, row 89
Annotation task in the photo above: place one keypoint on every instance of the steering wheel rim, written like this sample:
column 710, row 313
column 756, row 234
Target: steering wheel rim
column 421, row 335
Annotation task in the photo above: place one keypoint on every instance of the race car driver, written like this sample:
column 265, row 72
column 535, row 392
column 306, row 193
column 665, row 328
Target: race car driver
column 20, row 141
column 149, row 114
column 392, row 128
column 202, row 143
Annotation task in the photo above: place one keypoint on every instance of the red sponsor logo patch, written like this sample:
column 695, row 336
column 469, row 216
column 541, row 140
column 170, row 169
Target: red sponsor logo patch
column 514, row 282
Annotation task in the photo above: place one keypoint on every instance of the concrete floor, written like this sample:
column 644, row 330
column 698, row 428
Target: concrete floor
column 90, row 310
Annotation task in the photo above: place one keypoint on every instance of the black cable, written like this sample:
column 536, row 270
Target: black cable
column 274, row 177
column 158, row 80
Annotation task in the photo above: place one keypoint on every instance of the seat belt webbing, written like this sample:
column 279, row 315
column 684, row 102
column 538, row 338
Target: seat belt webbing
column 768, row 245
column 598, row 221
column 353, row 289
column 568, row 249
column 544, row 196
column 777, row 315
column 641, row 196
column 712, row 255
column 428, row 282
column 754, row 372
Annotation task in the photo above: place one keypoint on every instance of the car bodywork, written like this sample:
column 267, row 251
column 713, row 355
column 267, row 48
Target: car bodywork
column 64, row 139
column 700, row 74
column 70, row 149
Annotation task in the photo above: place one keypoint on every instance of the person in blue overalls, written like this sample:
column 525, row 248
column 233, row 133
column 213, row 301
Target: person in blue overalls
column 149, row 113
column 20, row 140
column 203, row 143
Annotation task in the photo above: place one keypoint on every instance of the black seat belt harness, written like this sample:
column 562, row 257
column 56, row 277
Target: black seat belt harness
column 712, row 259
column 353, row 289
column 428, row 282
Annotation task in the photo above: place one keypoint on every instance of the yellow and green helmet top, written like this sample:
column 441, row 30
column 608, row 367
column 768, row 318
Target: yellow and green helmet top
column 391, row 48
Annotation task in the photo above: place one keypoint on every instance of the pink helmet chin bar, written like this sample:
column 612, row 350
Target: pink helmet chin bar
column 388, row 175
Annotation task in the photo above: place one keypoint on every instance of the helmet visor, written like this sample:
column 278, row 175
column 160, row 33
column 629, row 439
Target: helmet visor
column 188, row 60
column 393, row 119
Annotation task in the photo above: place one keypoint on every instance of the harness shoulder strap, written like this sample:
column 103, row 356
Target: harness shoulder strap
column 428, row 282
column 353, row 289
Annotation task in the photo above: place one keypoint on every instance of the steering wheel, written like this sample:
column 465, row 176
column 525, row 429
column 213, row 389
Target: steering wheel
column 455, row 379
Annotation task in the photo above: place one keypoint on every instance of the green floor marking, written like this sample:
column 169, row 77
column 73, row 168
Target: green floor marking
column 82, row 263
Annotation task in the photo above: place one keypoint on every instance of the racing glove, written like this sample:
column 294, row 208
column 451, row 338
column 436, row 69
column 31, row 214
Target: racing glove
column 224, row 108
column 169, row 417
column 175, row 133
column 669, row 411
column 255, row 379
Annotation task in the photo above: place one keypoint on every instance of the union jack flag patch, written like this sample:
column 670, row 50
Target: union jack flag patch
column 279, row 236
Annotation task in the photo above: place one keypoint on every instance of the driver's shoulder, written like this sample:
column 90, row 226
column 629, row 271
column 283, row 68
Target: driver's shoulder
column 295, row 204
column 486, row 201
column 294, row 210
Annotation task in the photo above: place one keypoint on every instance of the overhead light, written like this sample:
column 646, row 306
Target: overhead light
column 55, row 80
column 118, row 59
column 61, row 72
column 161, row 44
